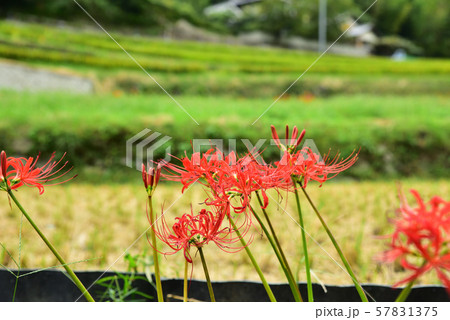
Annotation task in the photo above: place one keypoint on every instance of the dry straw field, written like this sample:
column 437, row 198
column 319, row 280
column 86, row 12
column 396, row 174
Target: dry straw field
column 101, row 222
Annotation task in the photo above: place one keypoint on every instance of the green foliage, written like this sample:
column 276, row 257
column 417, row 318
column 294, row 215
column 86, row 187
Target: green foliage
column 172, row 10
column 430, row 26
column 137, row 13
column 398, row 136
column 120, row 287
column 280, row 17
column 391, row 15
column 426, row 23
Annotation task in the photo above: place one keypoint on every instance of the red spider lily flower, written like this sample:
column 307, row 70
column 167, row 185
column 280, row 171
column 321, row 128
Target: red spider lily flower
column 312, row 168
column 220, row 197
column 240, row 180
column 305, row 165
column 291, row 142
column 24, row 171
column 200, row 167
column 421, row 240
column 151, row 176
column 229, row 179
column 3, row 165
column 10, row 178
column 197, row 230
column 226, row 176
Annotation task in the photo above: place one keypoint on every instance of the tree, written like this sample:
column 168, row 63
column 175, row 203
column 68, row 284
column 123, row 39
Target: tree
column 425, row 23
column 280, row 17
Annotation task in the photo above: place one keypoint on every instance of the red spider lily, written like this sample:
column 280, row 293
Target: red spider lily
column 151, row 177
column 200, row 167
column 198, row 230
column 7, row 178
column 3, row 165
column 241, row 180
column 221, row 196
column 226, row 176
column 421, row 240
column 305, row 165
column 16, row 172
column 291, row 142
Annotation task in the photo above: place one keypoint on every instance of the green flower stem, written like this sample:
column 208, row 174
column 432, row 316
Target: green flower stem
column 255, row 264
column 338, row 249
column 185, row 281
column 53, row 250
column 275, row 238
column 291, row 281
column 205, row 269
column 159, row 291
column 305, row 248
column 405, row 292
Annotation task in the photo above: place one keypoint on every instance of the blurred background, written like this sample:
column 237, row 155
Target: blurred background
column 66, row 86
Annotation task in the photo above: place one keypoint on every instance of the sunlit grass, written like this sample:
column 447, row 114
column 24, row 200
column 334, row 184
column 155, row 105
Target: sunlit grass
column 101, row 222
column 72, row 112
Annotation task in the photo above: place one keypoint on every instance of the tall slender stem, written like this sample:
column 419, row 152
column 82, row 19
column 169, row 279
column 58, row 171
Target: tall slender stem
column 289, row 277
column 19, row 260
column 53, row 250
column 208, row 280
column 185, row 281
column 305, row 247
column 405, row 292
column 360, row 290
column 255, row 264
column 15, row 285
column 272, row 230
column 159, row 291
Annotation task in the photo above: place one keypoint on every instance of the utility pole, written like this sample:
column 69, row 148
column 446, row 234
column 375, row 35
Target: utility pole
column 322, row 25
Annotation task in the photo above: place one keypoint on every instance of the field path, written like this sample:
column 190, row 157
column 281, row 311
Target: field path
column 19, row 77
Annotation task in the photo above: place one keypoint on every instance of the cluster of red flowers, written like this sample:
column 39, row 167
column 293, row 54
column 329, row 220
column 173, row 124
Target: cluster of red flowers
column 421, row 240
column 231, row 181
column 17, row 172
